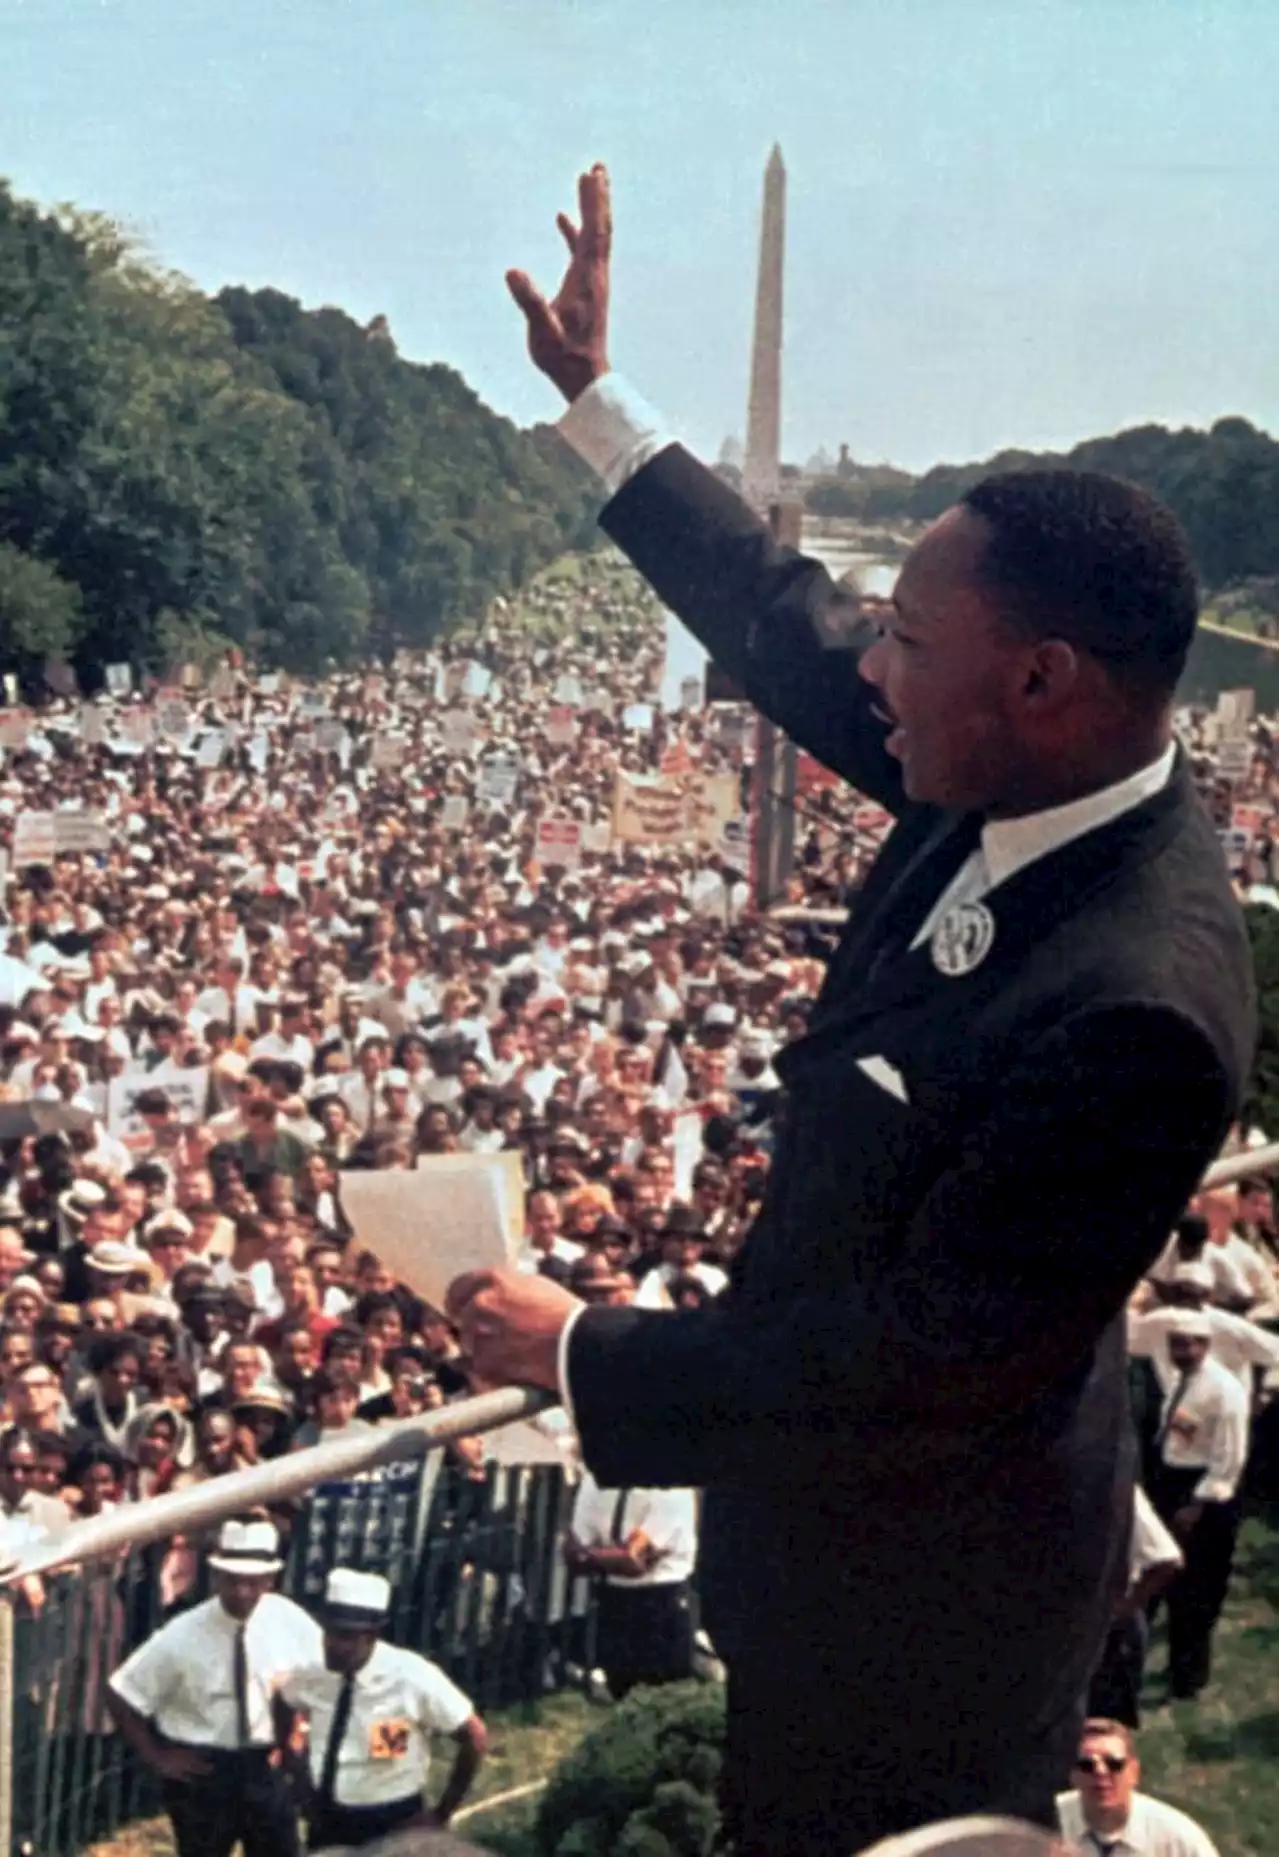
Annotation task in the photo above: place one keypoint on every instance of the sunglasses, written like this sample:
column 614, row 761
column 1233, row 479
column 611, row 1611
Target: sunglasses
column 1102, row 1763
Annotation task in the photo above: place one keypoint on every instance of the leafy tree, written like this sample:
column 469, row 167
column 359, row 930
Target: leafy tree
column 40, row 613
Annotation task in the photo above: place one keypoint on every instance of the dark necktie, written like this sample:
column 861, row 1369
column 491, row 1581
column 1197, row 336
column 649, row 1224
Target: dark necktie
column 337, row 1734
column 616, row 1535
column 1104, row 1848
column 240, row 1667
column 1175, row 1399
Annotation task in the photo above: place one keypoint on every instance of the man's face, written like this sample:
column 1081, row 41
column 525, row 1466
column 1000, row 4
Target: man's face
column 119, row 1378
column 1107, row 1774
column 19, row 1471
column 1187, row 1351
column 347, row 1651
column 951, row 677
column 15, row 1351
column 36, row 1396
column 239, row 1593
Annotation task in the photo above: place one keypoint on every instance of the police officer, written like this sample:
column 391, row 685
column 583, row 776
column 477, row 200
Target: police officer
column 195, row 1702
column 373, row 1709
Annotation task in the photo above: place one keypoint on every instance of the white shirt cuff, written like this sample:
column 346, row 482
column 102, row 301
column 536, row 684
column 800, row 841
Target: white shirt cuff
column 562, row 1366
column 614, row 430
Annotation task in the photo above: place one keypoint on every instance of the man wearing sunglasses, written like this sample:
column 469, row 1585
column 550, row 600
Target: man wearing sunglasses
column 1106, row 1816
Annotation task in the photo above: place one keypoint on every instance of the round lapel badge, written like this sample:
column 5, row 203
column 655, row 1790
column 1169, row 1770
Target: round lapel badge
column 963, row 938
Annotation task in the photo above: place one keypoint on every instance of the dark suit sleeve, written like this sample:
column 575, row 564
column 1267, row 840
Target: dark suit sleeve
column 757, row 608
column 1015, row 1261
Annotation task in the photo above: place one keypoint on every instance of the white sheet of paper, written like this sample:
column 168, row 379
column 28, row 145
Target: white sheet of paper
column 452, row 1212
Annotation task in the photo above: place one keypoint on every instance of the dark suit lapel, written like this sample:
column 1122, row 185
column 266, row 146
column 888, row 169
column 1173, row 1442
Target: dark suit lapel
column 1023, row 909
column 907, row 878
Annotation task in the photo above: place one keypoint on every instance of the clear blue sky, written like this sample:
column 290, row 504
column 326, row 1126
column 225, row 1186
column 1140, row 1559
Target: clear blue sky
column 1010, row 221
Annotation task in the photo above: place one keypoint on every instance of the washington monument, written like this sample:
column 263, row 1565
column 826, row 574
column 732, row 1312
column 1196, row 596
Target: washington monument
column 760, row 479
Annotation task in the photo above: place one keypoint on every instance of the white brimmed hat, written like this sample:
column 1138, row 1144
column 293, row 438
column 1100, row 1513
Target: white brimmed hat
column 360, row 1601
column 247, row 1547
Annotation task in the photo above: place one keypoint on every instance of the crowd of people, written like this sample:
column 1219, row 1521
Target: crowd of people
column 305, row 930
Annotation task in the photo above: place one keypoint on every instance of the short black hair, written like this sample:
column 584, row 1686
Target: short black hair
column 1097, row 562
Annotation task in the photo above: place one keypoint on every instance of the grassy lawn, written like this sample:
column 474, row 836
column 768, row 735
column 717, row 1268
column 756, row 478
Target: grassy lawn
column 1215, row 1757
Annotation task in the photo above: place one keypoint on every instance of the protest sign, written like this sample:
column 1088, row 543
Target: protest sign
column 676, row 758
column 15, row 728
column 93, row 726
column 186, row 1089
column 313, row 703
column 496, row 780
column 562, row 728
column 172, row 716
column 453, row 1212
column 597, row 837
column 1235, row 758
column 259, row 752
column 457, row 731
column 34, row 838
column 638, row 718
column 666, row 810
column 11, row 692
column 119, row 679
column 453, row 814
column 691, row 693
column 212, row 748
column 269, row 685
column 452, row 678
column 476, row 680
column 78, row 832
column 558, row 844
column 1234, row 714
column 137, row 726
column 734, row 843
column 389, row 751
column 329, row 735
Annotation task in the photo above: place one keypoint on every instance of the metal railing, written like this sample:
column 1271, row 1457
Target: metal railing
column 478, row 1584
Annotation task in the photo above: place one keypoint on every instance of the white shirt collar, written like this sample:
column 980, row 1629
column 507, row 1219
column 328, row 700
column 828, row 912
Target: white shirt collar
column 1008, row 845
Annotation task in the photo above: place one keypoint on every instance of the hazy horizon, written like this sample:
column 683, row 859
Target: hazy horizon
column 1008, row 225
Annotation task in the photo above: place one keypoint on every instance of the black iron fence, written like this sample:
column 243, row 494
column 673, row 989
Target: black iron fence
column 478, row 1584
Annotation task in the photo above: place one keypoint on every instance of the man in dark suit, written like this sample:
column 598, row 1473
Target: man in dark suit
column 909, row 1409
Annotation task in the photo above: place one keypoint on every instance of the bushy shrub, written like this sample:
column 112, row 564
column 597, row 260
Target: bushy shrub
column 643, row 1784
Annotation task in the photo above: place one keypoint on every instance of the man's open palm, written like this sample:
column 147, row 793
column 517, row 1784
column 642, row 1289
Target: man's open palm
column 568, row 337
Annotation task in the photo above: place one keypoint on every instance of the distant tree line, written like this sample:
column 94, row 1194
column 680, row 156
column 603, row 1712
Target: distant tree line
column 179, row 472
column 1221, row 484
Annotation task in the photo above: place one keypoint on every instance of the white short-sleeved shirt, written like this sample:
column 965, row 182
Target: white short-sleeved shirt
column 668, row 1518
column 1154, row 1830
column 1151, row 1544
column 400, row 1700
column 183, row 1677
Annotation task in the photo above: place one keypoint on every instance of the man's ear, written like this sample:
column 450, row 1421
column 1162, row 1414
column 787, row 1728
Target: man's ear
column 1053, row 672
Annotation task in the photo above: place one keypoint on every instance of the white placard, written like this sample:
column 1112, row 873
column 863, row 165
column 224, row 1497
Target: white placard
column 638, row 718
column 597, row 837
column 14, row 729
column 187, row 1090
column 496, row 780
column 35, row 838
column 453, row 814
column 119, row 679
column 562, row 726
column 138, row 726
column 691, row 693
column 329, row 734
column 270, row 684
column 457, row 731
column 212, row 748
column 453, row 1212
column 559, row 844
column 259, row 752
column 1235, row 758
column 77, row 832
column 172, row 717
column 93, row 726
column 476, row 681
column 568, row 690
column 389, row 751
column 734, row 843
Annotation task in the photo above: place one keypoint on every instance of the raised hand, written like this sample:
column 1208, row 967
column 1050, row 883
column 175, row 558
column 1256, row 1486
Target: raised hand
column 568, row 337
